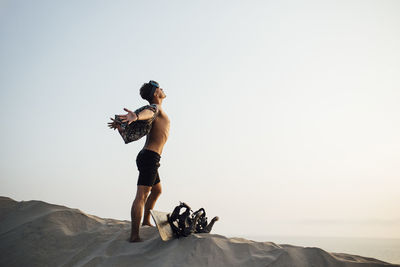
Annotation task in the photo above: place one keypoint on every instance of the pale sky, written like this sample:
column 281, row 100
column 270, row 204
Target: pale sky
column 284, row 114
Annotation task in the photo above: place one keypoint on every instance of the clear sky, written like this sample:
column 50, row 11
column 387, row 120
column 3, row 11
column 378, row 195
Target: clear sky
column 284, row 114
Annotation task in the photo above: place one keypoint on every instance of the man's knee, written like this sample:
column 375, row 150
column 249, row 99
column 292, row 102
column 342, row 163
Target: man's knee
column 156, row 189
column 140, row 199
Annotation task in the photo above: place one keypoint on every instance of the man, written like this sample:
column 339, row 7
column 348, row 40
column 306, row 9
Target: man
column 149, row 157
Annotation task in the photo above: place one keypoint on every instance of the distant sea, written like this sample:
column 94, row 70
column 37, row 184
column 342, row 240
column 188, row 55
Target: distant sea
column 382, row 249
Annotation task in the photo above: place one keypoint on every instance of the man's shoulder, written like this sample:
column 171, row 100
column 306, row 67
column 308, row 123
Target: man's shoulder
column 152, row 107
column 157, row 106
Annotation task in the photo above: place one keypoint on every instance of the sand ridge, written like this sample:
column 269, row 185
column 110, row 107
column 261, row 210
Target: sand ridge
column 35, row 233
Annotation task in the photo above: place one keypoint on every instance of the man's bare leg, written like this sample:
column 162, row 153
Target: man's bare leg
column 150, row 202
column 137, row 211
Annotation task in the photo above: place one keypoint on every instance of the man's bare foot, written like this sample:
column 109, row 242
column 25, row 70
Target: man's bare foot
column 147, row 224
column 134, row 240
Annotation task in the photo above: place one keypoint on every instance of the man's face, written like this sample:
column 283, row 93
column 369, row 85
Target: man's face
column 160, row 92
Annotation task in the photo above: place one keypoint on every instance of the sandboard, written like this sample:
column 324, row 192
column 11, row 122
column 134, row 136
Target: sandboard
column 162, row 224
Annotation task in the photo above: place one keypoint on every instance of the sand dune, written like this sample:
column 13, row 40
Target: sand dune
column 35, row 233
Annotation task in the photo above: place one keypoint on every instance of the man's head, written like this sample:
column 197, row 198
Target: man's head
column 151, row 91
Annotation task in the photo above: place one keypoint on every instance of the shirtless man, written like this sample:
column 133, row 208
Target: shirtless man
column 148, row 158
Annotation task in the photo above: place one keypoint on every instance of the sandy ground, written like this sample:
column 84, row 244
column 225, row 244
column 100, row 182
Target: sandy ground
column 35, row 233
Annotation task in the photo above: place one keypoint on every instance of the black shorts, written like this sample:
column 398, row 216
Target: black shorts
column 148, row 162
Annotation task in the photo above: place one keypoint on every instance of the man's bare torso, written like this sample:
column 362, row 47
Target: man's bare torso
column 159, row 133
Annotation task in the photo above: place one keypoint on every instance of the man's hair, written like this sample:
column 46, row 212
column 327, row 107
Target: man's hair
column 147, row 90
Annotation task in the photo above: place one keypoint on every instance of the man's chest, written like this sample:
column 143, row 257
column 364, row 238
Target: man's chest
column 162, row 121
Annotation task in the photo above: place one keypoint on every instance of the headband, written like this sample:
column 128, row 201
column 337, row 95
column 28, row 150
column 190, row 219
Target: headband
column 154, row 86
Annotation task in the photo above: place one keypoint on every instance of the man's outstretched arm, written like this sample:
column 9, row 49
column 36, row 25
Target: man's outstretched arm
column 131, row 116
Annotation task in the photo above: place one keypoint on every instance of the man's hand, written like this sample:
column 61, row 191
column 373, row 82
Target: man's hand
column 114, row 124
column 130, row 117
